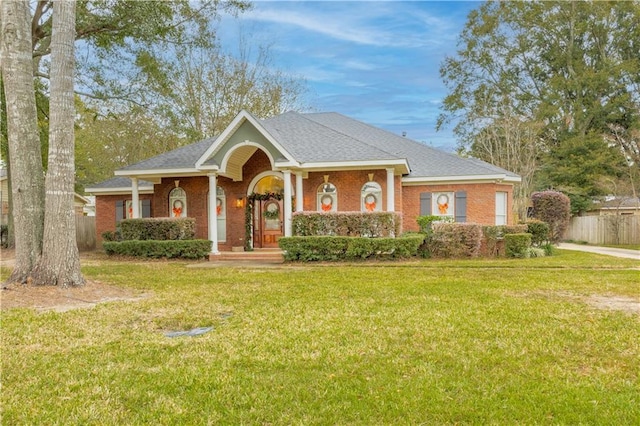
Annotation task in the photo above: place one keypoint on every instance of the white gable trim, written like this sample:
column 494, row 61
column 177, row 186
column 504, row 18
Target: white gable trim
column 158, row 172
column 228, row 132
column 118, row 191
column 401, row 166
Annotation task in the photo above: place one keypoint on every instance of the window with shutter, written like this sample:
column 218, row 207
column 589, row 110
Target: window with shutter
column 425, row 204
column 461, row 206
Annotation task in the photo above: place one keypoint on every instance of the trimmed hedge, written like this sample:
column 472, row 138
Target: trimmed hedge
column 346, row 224
column 335, row 248
column 517, row 245
column 161, row 228
column 495, row 233
column 454, row 240
column 539, row 231
column 186, row 249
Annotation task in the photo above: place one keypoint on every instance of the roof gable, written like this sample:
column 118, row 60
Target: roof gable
column 244, row 128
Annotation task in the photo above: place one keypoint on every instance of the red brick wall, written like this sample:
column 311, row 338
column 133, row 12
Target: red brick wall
column 481, row 198
column 349, row 185
column 106, row 212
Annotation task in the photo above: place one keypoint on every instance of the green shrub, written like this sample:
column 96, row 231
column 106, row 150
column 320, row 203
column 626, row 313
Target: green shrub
column 159, row 229
column 517, row 245
column 494, row 234
column 346, row 224
column 111, row 236
column 454, row 240
column 536, row 252
column 553, row 208
column 334, row 248
column 549, row 249
column 186, row 249
column 539, row 231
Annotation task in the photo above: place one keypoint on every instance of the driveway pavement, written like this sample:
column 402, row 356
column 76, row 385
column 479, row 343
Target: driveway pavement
column 609, row 251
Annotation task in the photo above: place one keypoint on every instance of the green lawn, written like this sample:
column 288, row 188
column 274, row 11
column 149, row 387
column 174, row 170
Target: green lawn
column 426, row 342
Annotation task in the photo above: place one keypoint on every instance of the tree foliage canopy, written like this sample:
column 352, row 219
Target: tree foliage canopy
column 570, row 67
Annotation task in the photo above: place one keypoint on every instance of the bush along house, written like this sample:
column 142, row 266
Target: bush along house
column 243, row 186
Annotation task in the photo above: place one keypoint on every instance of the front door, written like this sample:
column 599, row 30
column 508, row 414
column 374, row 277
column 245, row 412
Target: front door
column 267, row 223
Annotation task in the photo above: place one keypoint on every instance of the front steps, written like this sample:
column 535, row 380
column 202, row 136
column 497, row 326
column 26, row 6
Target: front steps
column 258, row 256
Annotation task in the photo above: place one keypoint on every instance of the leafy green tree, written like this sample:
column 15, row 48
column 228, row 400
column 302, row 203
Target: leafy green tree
column 572, row 66
column 117, row 32
column 107, row 143
column 120, row 36
column 576, row 167
column 199, row 90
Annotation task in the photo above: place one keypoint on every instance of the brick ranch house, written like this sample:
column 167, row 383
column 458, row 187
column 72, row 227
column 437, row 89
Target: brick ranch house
column 318, row 162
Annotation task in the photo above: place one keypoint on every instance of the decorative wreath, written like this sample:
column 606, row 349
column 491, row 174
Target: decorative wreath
column 326, row 203
column 443, row 203
column 370, row 202
column 177, row 208
column 272, row 212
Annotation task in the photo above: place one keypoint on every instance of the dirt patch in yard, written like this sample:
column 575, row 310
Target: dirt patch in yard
column 616, row 303
column 53, row 298
column 599, row 301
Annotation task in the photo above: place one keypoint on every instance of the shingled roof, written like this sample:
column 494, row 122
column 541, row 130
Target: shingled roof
column 323, row 138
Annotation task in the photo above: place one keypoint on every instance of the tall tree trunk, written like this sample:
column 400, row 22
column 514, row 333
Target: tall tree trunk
column 60, row 261
column 4, row 156
column 24, row 144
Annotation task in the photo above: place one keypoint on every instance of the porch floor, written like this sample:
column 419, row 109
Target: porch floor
column 258, row 256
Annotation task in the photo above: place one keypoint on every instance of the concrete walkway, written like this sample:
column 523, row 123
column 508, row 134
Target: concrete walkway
column 609, row 251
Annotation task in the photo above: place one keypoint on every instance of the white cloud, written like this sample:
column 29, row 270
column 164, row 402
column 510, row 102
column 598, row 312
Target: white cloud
column 355, row 23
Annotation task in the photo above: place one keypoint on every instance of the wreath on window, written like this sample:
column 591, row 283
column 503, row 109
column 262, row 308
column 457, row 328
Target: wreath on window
column 370, row 202
column 443, row 204
column 177, row 208
column 326, row 203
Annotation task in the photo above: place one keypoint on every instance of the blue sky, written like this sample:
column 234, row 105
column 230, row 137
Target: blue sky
column 375, row 61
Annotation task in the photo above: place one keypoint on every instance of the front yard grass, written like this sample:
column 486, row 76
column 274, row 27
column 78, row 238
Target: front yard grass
column 422, row 342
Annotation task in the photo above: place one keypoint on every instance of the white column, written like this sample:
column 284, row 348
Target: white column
column 286, row 175
column 135, row 198
column 213, row 215
column 299, row 193
column 391, row 191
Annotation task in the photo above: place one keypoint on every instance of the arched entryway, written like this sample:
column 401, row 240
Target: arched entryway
column 265, row 191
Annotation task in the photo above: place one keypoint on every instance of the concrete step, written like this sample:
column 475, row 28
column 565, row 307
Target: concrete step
column 256, row 256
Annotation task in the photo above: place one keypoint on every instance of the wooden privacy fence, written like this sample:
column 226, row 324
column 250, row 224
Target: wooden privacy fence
column 86, row 232
column 610, row 229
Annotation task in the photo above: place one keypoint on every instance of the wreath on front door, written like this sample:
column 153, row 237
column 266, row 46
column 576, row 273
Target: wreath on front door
column 248, row 214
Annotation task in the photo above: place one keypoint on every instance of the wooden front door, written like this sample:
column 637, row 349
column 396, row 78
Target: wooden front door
column 267, row 223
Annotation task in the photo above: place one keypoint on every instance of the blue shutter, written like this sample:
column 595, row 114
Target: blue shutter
column 119, row 210
column 461, row 206
column 425, row 203
column 146, row 208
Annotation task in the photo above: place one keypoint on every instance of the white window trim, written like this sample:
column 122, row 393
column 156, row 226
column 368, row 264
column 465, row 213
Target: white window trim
column 451, row 204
